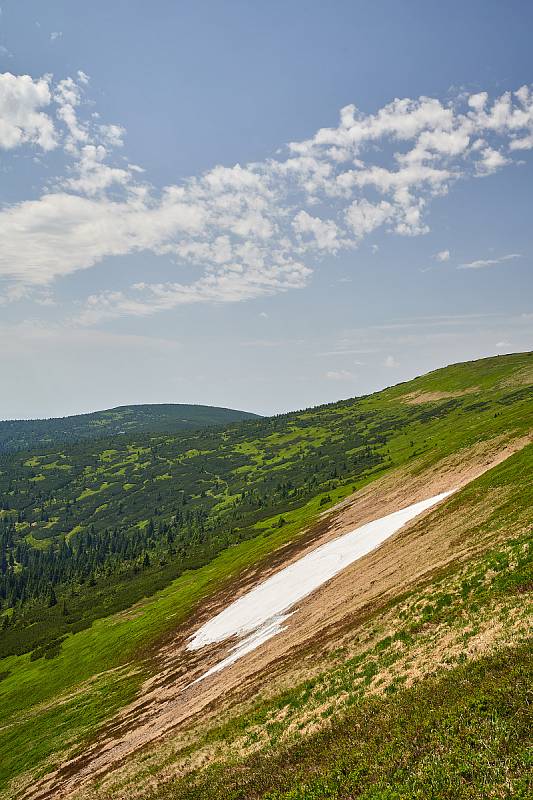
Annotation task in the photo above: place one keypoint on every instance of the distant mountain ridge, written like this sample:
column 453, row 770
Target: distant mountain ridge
column 22, row 434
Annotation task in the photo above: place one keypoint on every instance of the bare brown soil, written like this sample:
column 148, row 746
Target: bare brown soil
column 169, row 704
column 417, row 398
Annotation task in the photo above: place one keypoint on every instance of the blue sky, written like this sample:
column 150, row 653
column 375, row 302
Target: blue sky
column 262, row 206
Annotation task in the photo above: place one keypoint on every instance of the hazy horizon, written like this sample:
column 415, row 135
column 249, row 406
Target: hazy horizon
column 247, row 410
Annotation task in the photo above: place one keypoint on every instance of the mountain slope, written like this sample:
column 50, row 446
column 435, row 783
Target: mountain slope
column 444, row 591
column 124, row 420
column 100, row 524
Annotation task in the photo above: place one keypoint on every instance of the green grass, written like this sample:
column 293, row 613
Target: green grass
column 37, row 742
column 463, row 735
column 106, row 645
column 88, row 492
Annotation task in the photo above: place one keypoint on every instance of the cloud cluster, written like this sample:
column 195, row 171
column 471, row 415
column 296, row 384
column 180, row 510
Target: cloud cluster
column 247, row 230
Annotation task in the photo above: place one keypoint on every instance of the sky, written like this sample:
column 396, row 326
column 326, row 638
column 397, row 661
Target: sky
column 262, row 206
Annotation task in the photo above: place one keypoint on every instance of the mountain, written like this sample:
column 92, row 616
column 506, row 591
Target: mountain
column 127, row 669
column 20, row 434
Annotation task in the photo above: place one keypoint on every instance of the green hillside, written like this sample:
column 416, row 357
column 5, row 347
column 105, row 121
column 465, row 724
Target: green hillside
column 168, row 520
column 20, row 434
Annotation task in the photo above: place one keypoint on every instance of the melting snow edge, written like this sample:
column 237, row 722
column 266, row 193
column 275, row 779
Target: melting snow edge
column 259, row 614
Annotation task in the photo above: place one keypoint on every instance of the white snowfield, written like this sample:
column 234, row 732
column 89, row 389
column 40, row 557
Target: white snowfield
column 259, row 615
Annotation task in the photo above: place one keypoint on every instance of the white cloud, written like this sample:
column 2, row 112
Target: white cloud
column 478, row 101
column 55, row 35
column 67, row 97
column 323, row 233
column 390, row 362
column 227, row 284
column 491, row 161
column 363, row 217
column 93, row 175
column 339, row 375
column 246, row 228
column 523, row 143
column 60, row 233
column 488, row 262
column 113, row 135
column 21, row 119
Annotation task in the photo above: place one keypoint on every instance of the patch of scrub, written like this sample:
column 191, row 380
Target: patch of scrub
column 259, row 615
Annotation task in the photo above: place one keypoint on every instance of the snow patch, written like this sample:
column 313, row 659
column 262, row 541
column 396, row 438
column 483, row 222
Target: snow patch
column 259, row 615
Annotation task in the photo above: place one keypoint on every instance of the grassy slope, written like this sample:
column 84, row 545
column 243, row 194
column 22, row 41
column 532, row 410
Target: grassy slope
column 457, row 735
column 461, row 735
column 39, row 723
column 165, row 417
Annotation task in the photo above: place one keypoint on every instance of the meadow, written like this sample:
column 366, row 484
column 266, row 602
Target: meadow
column 197, row 509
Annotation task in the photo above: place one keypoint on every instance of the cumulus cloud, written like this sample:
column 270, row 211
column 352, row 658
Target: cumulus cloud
column 253, row 229
column 22, row 120
column 491, row 160
column 113, row 134
column 92, row 175
column 363, row 217
column 488, row 262
column 322, row 234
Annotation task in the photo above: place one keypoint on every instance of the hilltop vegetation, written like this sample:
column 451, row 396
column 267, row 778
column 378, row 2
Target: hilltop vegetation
column 87, row 530
column 27, row 434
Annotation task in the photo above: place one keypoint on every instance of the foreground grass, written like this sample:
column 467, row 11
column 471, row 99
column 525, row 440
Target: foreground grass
column 463, row 735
